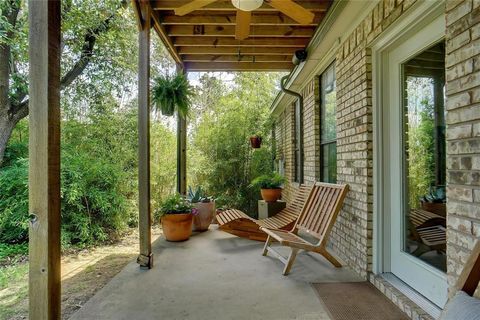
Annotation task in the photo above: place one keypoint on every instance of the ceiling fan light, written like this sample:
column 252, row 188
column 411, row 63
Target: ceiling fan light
column 247, row 5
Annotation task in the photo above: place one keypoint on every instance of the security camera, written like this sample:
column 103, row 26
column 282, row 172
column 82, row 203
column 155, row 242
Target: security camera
column 299, row 56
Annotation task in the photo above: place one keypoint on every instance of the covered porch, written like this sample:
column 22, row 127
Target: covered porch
column 215, row 275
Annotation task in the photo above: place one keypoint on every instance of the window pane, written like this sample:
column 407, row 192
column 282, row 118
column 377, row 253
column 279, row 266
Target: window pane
column 328, row 99
column 424, row 157
column 329, row 162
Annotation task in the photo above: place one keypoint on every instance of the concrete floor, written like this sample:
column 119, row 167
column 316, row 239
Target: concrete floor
column 218, row 276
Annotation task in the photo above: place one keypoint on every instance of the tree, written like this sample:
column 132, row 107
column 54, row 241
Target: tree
column 83, row 25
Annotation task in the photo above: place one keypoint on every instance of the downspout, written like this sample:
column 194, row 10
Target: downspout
column 300, row 135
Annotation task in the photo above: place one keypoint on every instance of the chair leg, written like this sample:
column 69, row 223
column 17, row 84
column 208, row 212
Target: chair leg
column 330, row 258
column 291, row 259
column 267, row 244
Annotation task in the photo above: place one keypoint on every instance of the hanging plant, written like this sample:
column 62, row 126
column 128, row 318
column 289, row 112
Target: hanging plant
column 172, row 93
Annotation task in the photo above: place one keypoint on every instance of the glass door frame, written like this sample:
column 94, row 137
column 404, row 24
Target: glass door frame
column 416, row 33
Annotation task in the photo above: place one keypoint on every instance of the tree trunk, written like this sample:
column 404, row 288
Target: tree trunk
column 6, row 127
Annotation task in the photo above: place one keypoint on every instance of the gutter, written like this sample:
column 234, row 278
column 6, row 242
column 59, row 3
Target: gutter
column 300, row 139
column 334, row 11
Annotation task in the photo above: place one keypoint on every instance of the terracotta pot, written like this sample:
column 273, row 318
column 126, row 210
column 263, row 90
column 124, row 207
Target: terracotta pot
column 206, row 211
column 437, row 208
column 271, row 195
column 255, row 142
column 177, row 227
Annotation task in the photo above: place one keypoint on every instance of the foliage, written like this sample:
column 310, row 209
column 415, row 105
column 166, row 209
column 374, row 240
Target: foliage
column 12, row 251
column 198, row 195
column 420, row 139
column 229, row 109
column 14, row 202
column 172, row 93
column 175, row 204
column 269, row 181
column 435, row 195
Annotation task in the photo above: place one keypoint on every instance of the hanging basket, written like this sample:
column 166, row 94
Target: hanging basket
column 255, row 142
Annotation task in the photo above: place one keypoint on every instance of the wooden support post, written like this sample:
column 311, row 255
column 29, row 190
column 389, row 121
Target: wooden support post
column 145, row 259
column 44, row 159
column 181, row 151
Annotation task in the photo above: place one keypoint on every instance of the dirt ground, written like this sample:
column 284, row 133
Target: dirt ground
column 84, row 273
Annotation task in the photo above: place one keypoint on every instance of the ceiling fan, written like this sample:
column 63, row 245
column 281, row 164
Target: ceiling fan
column 245, row 8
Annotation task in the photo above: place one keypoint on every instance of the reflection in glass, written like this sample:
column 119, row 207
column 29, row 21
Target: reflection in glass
column 424, row 156
column 328, row 126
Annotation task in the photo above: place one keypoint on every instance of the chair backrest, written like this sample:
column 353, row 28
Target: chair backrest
column 321, row 209
column 469, row 279
column 300, row 198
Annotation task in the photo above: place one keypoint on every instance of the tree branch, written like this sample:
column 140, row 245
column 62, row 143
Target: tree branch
column 19, row 110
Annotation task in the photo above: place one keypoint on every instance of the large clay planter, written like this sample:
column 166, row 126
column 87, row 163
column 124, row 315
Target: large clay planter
column 177, row 227
column 438, row 208
column 271, row 195
column 206, row 211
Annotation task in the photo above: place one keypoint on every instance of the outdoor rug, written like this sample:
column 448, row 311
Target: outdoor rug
column 357, row 301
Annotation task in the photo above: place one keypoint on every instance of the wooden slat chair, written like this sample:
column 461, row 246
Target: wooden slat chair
column 429, row 230
column 317, row 219
column 460, row 306
column 240, row 224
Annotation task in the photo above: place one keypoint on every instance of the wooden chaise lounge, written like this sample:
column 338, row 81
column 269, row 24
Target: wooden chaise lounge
column 429, row 231
column 317, row 219
column 240, row 224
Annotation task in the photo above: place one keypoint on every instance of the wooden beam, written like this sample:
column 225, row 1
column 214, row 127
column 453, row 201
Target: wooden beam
column 229, row 31
column 226, row 5
column 44, row 159
column 236, row 51
column 253, row 42
column 167, row 41
column 242, row 58
column 145, row 258
column 238, row 66
column 274, row 19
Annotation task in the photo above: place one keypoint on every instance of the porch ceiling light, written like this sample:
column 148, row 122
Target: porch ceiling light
column 247, row 5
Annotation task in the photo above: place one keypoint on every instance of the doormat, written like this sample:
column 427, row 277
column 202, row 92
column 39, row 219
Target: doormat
column 357, row 301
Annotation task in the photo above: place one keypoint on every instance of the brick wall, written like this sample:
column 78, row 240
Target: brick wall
column 463, row 131
column 352, row 235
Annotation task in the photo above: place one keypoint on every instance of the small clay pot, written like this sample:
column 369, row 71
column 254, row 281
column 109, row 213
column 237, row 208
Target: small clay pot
column 177, row 227
column 255, row 142
column 271, row 195
column 206, row 211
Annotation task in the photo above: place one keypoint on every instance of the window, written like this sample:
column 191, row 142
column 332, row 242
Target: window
column 298, row 143
column 328, row 127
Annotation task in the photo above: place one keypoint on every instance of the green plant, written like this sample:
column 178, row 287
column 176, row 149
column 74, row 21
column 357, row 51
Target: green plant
column 269, row 181
column 198, row 195
column 435, row 195
column 172, row 93
column 175, row 204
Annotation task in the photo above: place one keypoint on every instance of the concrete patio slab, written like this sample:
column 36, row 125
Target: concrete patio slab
column 214, row 275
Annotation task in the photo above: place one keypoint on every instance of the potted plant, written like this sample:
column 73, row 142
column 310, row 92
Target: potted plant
column 205, row 207
column 270, row 186
column 255, row 141
column 435, row 201
column 172, row 93
column 176, row 215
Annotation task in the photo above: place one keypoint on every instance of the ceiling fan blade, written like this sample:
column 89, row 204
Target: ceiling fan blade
column 293, row 10
column 242, row 27
column 192, row 6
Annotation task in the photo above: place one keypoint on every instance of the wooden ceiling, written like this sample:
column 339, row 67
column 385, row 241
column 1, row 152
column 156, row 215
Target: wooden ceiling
column 204, row 40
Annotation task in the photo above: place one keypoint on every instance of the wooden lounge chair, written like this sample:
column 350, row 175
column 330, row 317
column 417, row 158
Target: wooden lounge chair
column 240, row 224
column 461, row 305
column 428, row 230
column 317, row 219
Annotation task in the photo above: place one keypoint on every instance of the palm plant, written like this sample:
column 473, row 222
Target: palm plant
column 172, row 93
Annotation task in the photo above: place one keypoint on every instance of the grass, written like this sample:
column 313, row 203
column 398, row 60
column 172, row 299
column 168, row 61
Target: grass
column 13, row 290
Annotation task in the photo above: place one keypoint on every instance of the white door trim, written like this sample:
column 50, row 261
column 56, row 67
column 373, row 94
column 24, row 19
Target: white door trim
column 419, row 15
